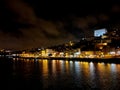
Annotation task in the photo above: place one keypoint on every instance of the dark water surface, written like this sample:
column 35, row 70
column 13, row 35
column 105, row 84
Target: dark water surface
column 58, row 75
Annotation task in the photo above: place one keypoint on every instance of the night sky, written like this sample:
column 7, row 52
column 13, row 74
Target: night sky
column 28, row 24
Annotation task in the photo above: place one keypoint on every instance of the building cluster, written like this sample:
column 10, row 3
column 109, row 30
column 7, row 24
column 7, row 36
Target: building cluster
column 102, row 45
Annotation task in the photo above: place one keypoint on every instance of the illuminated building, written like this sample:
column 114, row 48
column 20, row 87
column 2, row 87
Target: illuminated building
column 100, row 32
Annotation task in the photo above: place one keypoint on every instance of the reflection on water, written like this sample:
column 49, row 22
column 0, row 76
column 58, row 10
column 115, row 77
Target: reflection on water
column 60, row 74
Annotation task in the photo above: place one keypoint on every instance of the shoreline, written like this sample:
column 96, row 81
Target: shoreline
column 105, row 60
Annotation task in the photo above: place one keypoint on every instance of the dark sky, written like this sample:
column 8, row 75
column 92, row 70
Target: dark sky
column 35, row 23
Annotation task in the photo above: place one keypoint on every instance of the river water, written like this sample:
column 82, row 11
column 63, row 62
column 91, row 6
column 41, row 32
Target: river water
column 19, row 74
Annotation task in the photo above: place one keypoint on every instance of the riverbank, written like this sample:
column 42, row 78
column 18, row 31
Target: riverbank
column 105, row 60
